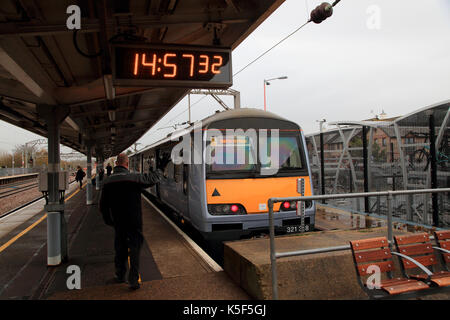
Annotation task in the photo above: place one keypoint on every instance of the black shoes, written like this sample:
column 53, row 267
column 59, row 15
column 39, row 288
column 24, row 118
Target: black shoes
column 134, row 286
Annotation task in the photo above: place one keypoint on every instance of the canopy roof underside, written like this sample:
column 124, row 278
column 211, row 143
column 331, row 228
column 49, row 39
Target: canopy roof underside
column 39, row 63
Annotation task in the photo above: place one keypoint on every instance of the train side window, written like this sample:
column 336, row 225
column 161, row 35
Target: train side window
column 151, row 162
column 178, row 172
column 169, row 171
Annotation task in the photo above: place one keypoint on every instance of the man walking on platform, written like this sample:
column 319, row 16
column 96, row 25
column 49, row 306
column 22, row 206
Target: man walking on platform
column 120, row 205
column 79, row 176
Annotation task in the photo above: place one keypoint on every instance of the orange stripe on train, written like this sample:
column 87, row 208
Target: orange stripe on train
column 253, row 193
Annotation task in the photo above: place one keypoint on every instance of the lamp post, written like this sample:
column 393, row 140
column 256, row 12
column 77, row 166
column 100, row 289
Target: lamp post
column 266, row 82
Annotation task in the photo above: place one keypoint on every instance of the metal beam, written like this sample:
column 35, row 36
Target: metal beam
column 13, row 29
column 10, row 65
column 91, row 112
column 121, row 122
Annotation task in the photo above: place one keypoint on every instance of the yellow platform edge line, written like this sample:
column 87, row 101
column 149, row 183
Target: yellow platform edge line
column 17, row 237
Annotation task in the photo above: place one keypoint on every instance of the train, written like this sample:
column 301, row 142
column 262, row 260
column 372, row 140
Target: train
column 215, row 179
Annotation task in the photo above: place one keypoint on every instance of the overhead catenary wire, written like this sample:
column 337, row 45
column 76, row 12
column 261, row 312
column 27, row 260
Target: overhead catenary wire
column 316, row 10
column 248, row 65
column 179, row 114
column 271, row 48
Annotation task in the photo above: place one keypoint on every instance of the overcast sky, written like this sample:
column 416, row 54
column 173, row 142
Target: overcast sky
column 338, row 70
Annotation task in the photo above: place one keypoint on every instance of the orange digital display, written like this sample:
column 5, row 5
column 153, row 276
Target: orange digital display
column 160, row 65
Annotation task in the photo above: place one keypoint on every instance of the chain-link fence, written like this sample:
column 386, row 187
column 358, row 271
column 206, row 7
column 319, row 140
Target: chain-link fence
column 387, row 154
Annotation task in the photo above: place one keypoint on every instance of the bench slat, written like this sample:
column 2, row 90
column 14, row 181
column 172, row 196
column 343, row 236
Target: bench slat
column 442, row 282
column 443, row 235
column 436, row 275
column 447, row 257
column 369, row 243
column 384, row 266
column 416, row 249
column 425, row 260
column 402, row 288
column 373, row 255
column 415, row 238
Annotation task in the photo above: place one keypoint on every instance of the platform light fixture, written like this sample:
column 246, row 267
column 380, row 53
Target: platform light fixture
column 110, row 91
column 266, row 82
column 111, row 111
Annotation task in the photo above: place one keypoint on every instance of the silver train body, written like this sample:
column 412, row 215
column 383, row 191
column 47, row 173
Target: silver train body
column 229, row 200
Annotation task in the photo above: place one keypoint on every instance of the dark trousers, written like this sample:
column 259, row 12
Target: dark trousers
column 125, row 240
column 81, row 183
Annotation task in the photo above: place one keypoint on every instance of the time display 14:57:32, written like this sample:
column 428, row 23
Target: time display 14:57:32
column 173, row 64
column 168, row 64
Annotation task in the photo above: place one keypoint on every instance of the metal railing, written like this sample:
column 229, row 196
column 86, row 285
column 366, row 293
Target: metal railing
column 389, row 194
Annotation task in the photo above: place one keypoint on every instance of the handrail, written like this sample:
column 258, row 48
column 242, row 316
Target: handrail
column 389, row 194
column 441, row 249
column 360, row 195
column 417, row 263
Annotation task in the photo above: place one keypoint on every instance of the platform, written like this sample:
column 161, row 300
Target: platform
column 170, row 268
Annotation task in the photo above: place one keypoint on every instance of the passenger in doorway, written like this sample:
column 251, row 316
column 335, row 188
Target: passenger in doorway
column 120, row 205
column 79, row 176
column 108, row 170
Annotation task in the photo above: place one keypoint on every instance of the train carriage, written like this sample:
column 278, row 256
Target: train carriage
column 229, row 172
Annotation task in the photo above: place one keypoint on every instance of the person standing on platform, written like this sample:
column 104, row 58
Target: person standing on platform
column 108, row 170
column 79, row 176
column 120, row 206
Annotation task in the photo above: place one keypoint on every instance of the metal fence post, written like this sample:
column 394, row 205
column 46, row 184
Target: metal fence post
column 389, row 217
column 366, row 169
column 433, row 171
column 301, row 204
column 273, row 259
column 322, row 165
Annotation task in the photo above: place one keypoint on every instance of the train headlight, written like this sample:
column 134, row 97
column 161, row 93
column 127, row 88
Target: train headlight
column 226, row 209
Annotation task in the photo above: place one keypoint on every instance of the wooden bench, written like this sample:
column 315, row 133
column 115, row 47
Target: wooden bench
column 418, row 247
column 443, row 242
column 376, row 252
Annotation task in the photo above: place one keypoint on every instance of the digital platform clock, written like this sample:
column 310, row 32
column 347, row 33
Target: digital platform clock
column 172, row 65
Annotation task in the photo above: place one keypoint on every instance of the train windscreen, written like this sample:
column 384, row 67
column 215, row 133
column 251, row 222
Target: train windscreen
column 288, row 153
column 255, row 154
column 235, row 153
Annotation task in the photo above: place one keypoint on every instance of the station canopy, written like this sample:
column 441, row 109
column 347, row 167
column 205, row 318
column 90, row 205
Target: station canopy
column 42, row 62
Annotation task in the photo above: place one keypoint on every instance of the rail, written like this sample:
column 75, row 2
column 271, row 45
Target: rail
column 389, row 194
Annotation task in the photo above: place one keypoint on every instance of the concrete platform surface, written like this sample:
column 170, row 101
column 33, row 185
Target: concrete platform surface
column 170, row 267
column 209, row 286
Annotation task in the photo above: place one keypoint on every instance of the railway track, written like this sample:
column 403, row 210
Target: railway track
column 2, row 195
column 16, row 189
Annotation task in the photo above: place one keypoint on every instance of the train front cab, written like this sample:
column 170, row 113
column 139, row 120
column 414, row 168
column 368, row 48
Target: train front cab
column 234, row 195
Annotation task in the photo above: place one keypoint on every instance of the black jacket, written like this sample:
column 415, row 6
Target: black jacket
column 120, row 198
column 80, row 175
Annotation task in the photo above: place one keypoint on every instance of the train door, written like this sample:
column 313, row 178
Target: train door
column 181, row 180
column 158, row 166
